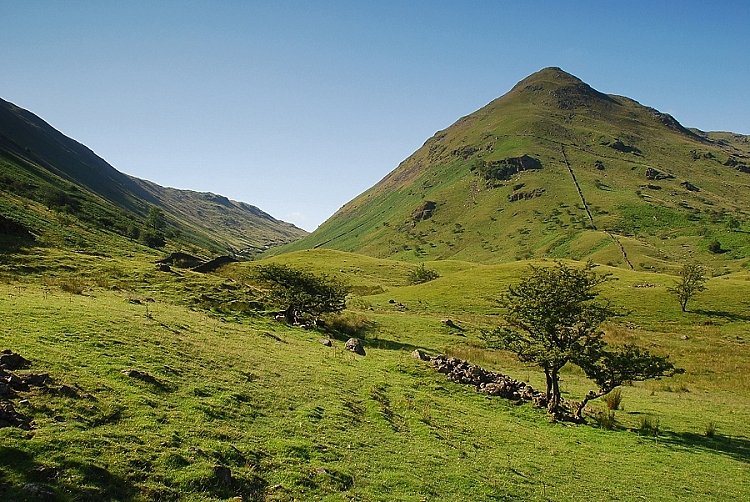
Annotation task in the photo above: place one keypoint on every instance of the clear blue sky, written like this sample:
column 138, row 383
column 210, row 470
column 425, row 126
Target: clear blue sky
column 297, row 107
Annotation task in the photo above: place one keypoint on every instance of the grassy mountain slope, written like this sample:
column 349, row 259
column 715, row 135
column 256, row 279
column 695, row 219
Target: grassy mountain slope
column 595, row 196
column 294, row 420
column 41, row 170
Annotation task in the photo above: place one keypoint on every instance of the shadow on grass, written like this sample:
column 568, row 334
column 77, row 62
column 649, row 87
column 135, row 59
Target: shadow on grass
column 379, row 343
column 37, row 481
column 737, row 448
column 729, row 316
column 375, row 343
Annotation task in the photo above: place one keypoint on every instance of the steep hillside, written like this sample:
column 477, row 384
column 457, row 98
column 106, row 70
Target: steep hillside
column 555, row 168
column 44, row 173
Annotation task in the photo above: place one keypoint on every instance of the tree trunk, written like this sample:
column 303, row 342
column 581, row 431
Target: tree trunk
column 291, row 315
column 578, row 414
column 549, row 384
column 553, row 406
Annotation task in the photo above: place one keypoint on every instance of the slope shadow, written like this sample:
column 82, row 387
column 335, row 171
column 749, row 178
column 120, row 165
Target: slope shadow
column 730, row 316
column 44, row 482
column 737, row 448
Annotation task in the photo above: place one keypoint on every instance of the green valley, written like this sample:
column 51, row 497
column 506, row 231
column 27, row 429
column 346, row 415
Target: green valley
column 148, row 378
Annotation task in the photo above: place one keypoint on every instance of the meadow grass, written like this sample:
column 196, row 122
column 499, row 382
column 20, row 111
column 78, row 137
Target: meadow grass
column 295, row 420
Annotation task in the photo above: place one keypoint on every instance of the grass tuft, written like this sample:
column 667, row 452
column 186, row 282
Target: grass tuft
column 649, row 425
column 614, row 399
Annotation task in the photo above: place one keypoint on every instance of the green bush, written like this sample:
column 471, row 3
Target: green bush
column 422, row 274
column 715, row 247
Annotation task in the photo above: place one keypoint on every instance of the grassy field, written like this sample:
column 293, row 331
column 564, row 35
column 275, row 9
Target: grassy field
column 292, row 419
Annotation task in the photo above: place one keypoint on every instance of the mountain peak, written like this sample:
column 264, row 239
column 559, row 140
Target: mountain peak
column 559, row 88
column 550, row 75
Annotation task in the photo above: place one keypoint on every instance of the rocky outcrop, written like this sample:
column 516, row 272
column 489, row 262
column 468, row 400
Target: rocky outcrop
column 516, row 196
column 689, row 186
column 11, row 383
column 618, row 145
column 449, row 323
column 424, row 211
column 735, row 163
column 655, row 174
column 505, row 168
column 9, row 360
column 465, row 151
column 142, row 376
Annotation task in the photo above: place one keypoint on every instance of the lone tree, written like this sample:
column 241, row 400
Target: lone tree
column 692, row 281
column 553, row 318
column 153, row 233
column 422, row 274
column 303, row 293
column 156, row 220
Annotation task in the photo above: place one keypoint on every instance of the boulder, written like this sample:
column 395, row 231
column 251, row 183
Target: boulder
column 9, row 360
column 223, row 475
column 355, row 345
column 622, row 147
column 689, row 186
column 35, row 379
column 418, row 354
column 9, row 417
column 183, row 260
column 450, row 324
column 655, row 174
column 5, row 391
column 212, row 265
column 326, row 341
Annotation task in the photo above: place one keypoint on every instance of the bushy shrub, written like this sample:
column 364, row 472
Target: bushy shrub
column 715, row 247
column 422, row 274
column 152, row 239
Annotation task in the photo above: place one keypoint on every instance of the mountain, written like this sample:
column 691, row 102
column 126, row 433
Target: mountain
column 555, row 168
column 42, row 170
